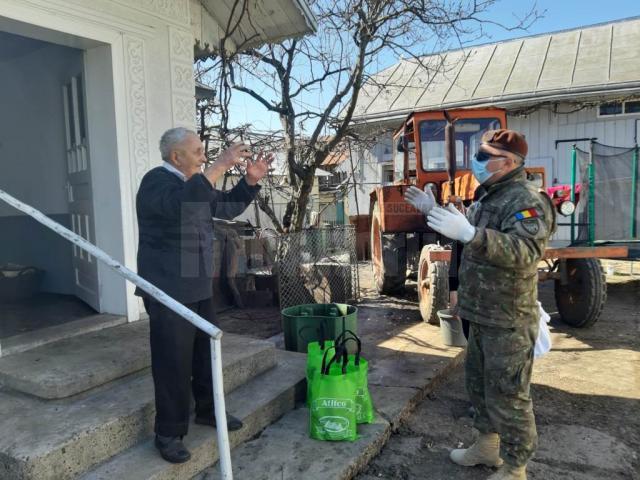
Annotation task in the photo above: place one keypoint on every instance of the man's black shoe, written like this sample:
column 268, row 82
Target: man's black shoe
column 233, row 423
column 172, row 449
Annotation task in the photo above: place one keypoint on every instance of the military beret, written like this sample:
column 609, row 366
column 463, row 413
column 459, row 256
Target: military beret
column 508, row 140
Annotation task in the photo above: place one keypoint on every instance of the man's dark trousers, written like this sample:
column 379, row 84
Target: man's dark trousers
column 180, row 364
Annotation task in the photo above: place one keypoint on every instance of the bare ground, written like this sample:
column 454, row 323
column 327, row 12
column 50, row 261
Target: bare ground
column 586, row 395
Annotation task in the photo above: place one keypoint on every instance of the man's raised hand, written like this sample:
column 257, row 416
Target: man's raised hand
column 258, row 169
column 236, row 155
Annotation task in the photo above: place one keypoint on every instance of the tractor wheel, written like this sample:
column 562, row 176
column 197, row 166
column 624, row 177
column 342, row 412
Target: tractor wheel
column 581, row 301
column 433, row 285
column 388, row 255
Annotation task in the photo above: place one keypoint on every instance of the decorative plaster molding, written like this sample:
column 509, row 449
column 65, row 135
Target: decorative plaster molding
column 137, row 106
column 173, row 10
column 184, row 111
column 182, row 82
column 181, row 42
column 182, row 78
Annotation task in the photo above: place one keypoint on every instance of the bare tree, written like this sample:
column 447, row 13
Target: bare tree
column 313, row 83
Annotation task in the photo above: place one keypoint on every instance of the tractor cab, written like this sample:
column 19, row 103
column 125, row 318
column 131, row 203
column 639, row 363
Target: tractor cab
column 421, row 153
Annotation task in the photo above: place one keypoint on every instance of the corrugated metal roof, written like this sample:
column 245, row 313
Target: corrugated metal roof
column 572, row 63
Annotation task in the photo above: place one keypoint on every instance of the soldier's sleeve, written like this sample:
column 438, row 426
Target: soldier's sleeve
column 522, row 238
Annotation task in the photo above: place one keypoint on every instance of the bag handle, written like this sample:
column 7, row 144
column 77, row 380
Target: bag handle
column 322, row 335
column 339, row 352
column 358, row 351
column 343, row 339
column 343, row 334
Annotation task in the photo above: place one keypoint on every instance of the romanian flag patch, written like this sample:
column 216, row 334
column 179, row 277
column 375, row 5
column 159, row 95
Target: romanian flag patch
column 528, row 213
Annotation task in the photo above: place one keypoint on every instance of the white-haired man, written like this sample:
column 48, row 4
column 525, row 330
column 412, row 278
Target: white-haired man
column 175, row 205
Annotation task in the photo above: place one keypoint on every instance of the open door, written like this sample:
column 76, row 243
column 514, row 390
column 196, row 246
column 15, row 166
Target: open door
column 79, row 190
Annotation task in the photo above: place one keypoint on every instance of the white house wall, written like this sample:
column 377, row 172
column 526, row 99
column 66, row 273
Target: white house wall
column 543, row 128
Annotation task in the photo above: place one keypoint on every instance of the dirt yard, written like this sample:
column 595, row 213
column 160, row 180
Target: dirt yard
column 586, row 397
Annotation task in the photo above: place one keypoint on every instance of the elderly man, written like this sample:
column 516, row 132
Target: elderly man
column 175, row 205
column 504, row 234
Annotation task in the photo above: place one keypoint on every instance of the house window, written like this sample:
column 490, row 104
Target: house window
column 619, row 108
column 632, row 107
column 387, row 174
column 612, row 108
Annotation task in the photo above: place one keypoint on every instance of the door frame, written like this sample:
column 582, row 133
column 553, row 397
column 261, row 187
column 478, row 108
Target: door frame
column 108, row 118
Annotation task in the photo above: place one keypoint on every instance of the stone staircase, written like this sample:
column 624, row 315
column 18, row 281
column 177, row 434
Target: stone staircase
column 82, row 407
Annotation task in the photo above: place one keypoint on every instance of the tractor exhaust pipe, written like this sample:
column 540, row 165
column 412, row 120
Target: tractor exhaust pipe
column 450, row 153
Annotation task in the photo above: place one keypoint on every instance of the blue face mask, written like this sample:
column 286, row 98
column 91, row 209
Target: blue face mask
column 479, row 167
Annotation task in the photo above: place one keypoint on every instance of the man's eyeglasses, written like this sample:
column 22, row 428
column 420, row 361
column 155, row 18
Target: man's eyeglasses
column 483, row 156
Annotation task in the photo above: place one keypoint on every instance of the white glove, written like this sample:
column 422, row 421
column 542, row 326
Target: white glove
column 451, row 223
column 420, row 200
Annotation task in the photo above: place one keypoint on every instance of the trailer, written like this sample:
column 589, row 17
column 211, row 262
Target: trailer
column 433, row 149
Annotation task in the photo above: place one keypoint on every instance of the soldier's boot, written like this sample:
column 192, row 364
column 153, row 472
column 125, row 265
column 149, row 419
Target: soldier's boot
column 509, row 472
column 485, row 451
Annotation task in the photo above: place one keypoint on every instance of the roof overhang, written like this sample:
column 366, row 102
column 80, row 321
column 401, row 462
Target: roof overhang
column 265, row 21
column 515, row 102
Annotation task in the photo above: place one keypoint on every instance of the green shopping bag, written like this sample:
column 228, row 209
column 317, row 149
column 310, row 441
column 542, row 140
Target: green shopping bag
column 332, row 411
column 359, row 367
column 315, row 352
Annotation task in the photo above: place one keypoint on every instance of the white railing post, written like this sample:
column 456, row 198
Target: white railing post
column 220, row 409
column 214, row 332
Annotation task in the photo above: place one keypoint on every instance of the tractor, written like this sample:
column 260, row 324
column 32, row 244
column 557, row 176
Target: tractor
column 433, row 149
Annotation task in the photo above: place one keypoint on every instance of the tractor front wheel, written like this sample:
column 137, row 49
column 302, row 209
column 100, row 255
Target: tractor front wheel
column 388, row 256
column 433, row 285
column 581, row 300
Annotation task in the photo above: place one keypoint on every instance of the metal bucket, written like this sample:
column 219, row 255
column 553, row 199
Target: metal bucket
column 451, row 329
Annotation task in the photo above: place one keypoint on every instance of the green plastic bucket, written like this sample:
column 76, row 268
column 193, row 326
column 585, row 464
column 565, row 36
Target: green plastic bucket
column 302, row 323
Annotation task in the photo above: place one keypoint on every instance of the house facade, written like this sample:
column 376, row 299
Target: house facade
column 558, row 89
column 86, row 90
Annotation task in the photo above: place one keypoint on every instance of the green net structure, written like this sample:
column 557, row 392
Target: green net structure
column 608, row 209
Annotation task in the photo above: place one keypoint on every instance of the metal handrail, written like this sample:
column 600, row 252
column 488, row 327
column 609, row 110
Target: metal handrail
column 214, row 332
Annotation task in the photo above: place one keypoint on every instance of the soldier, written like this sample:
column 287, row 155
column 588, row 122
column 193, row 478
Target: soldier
column 504, row 234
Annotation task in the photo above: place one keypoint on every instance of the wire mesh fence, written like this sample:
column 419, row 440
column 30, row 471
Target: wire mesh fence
column 608, row 207
column 318, row 266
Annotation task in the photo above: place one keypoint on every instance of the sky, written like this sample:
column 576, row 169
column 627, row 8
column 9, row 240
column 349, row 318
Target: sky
column 556, row 15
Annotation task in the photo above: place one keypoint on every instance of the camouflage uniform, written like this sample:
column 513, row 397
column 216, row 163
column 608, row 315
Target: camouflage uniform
column 498, row 295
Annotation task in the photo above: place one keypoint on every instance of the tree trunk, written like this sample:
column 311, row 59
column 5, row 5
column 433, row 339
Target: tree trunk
column 301, row 200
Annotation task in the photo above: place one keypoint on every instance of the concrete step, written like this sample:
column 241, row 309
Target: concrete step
column 257, row 403
column 26, row 341
column 73, row 365
column 60, row 439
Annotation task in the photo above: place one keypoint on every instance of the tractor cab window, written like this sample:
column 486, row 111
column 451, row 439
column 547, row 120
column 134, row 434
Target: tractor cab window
column 468, row 134
column 398, row 165
column 405, row 146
